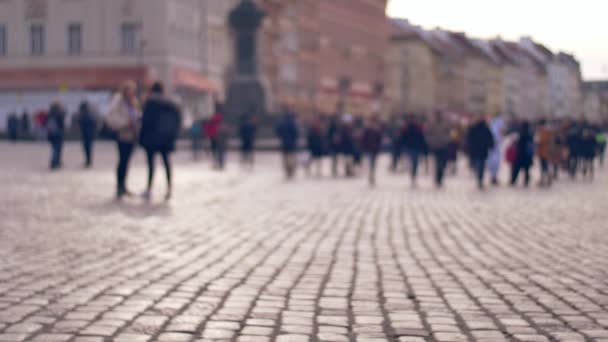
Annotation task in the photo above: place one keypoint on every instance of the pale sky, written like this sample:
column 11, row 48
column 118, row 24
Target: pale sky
column 573, row 26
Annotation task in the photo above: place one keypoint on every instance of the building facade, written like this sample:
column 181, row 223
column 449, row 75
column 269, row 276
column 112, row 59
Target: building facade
column 64, row 48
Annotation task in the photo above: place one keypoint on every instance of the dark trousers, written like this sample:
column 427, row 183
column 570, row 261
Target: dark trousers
column 441, row 160
column 289, row 163
column 373, row 157
column 87, row 145
column 573, row 162
column 219, row 153
column 517, row 167
column 150, row 154
column 56, row 148
column 125, row 151
column 396, row 156
column 414, row 157
column 13, row 135
column 479, row 167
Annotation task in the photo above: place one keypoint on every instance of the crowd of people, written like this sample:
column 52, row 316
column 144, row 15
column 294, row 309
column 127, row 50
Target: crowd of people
column 559, row 144
column 349, row 142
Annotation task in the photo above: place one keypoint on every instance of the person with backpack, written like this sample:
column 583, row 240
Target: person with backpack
column 160, row 127
column 524, row 154
column 479, row 143
column 87, row 122
column 55, row 127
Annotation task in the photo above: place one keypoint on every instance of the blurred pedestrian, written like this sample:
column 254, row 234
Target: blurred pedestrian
column 160, row 127
column 545, row 150
column 600, row 138
column 247, row 135
column 287, row 132
column 55, row 127
column 211, row 128
column 196, row 138
column 347, row 144
column 395, row 135
column 497, row 127
column 413, row 141
column 12, row 126
column 124, row 120
column 25, row 125
column 372, row 144
column 524, row 153
column 333, row 141
column 573, row 142
column 87, row 121
column 315, row 144
column 438, row 140
column 479, row 143
column 588, row 150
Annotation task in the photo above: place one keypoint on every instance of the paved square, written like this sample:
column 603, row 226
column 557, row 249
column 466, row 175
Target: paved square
column 251, row 258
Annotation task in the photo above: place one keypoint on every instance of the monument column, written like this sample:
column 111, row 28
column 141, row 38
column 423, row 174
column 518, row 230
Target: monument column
column 245, row 94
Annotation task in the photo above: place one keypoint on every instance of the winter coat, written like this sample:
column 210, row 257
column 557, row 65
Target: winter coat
column 161, row 124
column 372, row 140
column 287, row 131
column 525, row 148
column 87, row 121
column 412, row 137
column 479, row 141
column 247, row 133
column 55, row 123
column 123, row 119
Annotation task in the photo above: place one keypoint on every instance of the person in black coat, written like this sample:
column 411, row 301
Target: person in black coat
column 412, row 137
column 588, row 151
column 371, row 143
column 161, row 124
column 288, row 134
column 12, row 127
column 87, row 121
column 479, row 143
column 333, row 140
column 524, row 147
column 55, row 126
column 247, row 135
column 315, row 143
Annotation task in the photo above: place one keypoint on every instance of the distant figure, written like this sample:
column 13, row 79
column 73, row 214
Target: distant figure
column 315, row 143
column 123, row 118
column 545, row 150
column 524, row 154
column 25, row 125
column 372, row 145
column 573, row 142
column 600, row 138
column 211, row 128
column 497, row 125
column 87, row 121
column 12, row 126
column 333, row 141
column 160, row 127
column 588, row 150
column 479, row 143
column 55, row 127
column 196, row 138
column 347, row 144
column 247, row 135
column 358, row 129
column 412, row 139
column 287, row 132
column 394, row 133
column 438, row 140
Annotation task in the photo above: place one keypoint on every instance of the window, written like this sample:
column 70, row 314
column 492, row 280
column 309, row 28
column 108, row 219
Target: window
column 74, row 39
column 128, row 38
column 3, row 40
column 37, row 40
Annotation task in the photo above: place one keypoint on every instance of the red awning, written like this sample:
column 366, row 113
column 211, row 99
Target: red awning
column 184, row 77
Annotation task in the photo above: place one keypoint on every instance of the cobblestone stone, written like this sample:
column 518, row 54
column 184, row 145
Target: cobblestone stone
column 248, row 257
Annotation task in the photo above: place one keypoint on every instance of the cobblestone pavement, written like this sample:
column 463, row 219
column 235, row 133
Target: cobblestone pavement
column 252, row 258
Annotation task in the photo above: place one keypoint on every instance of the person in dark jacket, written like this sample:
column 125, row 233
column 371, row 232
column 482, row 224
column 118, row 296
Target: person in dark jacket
column 588, row 151
column 55, row 126
column 247, row 135
column 524, row 155
column 161, row 124
column 479, row 143
column 333, row 141
column 25, row 124
column 372, row 144
column 573, row 142
column 412, row 137
column 87, row 121
column 347, row 144
column 394, row 133
column 288, row 134
column 315, row 143
column 12, row 127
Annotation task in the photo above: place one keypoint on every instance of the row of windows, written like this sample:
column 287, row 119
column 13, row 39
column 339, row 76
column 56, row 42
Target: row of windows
column 37, row 35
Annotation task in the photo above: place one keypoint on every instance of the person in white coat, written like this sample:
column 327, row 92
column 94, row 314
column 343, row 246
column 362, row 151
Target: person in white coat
column 124, row 119
column 497, row 127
